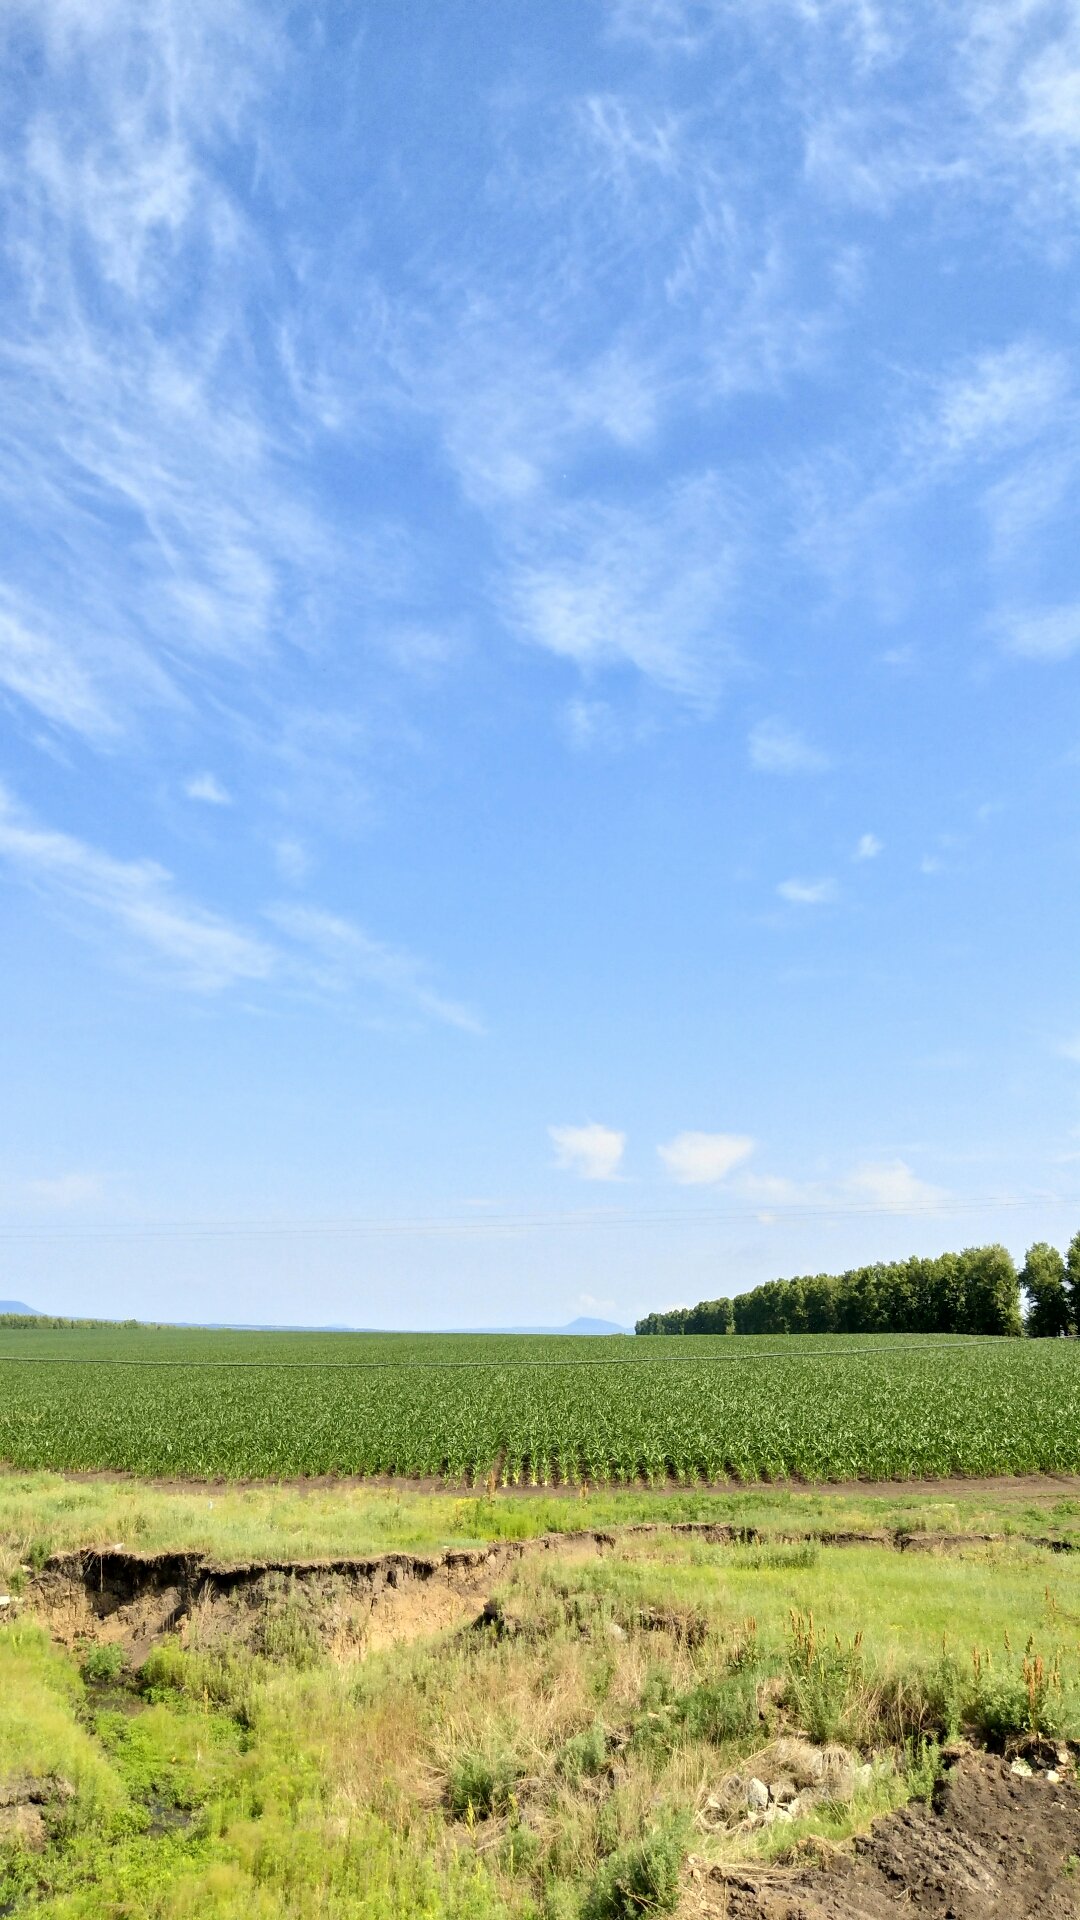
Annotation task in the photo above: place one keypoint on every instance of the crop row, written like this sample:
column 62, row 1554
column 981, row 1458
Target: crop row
column 864, row 1413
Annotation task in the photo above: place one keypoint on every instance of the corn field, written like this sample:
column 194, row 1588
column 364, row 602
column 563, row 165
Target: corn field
column 539, row 1411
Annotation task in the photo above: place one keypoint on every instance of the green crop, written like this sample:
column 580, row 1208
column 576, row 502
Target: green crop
column 535, row 1410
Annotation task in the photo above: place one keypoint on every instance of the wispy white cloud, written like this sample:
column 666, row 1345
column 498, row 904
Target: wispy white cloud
column 593, row 1152
column 208, row 788
column 1001, row 399
column 133, row 901
column 808, row 893
column 293, row 859
column 892, row 1185
column 136, row 909
column 867, row 847
column 776, row 747
column 56, row 1192
column 1046, row 633
column 648, row 587
column 341, row 955
column 703, row 1159
column 47, row 675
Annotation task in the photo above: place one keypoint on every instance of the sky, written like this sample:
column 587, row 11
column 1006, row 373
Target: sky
column 539, row 646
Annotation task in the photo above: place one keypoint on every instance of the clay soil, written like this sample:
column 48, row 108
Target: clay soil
column 995, row 1846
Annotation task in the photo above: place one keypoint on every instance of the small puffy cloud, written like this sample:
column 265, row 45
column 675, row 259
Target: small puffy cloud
column 777, row 748
column 807, row 893
column 890, row 1184
column 701, row 1159
column 592, row 1152
column 868, row 848
column 1053, row 633
column 208, row 788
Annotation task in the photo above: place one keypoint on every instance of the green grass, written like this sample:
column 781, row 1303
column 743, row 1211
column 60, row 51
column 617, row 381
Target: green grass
column 42, row 1512
column 483, row 1778
column 535, row 1410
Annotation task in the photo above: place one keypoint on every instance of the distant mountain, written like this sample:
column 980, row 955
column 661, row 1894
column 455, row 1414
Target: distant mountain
column 574, row 1326
column 19, row 1306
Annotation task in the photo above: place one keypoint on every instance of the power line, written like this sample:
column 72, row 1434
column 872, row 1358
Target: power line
column 776, row 1213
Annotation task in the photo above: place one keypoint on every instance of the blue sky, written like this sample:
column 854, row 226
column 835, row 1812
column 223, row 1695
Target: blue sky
column 539, row 628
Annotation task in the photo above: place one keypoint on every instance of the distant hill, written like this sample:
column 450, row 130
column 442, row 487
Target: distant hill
column 19, row 1306
column 574, row 1326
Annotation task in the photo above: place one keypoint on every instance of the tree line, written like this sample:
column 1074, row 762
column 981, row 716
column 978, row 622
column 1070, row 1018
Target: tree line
column 975, row 1291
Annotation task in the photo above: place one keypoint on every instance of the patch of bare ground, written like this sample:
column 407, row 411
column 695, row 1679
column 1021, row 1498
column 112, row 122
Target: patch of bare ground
column 1020, row 1486
column 995, row 1845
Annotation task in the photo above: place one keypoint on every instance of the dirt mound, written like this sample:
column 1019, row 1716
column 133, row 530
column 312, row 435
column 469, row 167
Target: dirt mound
column 995, row 1846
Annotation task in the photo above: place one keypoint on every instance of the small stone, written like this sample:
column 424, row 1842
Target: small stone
column 1053, row 1776
column 1021, row 1769
column 757, row 1793
column 5, row 1599
column 777, row 1816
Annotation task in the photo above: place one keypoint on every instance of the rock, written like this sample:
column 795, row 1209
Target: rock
column 5, row 1599
column 782, row 1792
column 615, row 1632
column 863, row 1777
column 1053, row 1776
column 777, row 1816
column 757, row 1793
column 1021, row 1770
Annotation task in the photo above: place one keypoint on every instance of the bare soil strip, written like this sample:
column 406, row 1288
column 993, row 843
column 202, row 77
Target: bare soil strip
column 1023, row 1486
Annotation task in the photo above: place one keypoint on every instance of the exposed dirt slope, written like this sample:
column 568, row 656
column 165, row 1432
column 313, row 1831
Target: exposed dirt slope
column 995, row 1846
column 111, row 1593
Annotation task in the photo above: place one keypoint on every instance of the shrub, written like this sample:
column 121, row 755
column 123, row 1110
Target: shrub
column 584, row 1754
column 104, row 1664
column 640, row 1879
column 825, row 1684
column 479, row 1785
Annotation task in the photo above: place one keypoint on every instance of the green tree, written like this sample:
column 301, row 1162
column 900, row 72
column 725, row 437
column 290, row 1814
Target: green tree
column 1043, row 1280
column 1072, row 1274
column 991, row 1295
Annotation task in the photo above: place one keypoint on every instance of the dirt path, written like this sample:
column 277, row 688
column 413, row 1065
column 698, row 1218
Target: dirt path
column 1029, row 1486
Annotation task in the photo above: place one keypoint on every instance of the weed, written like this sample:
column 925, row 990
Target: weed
column 923, row 1769
column 640, row 1879
column 824, row 1678
column 103, row 1665
column 584, row 1754
column 480, row 1784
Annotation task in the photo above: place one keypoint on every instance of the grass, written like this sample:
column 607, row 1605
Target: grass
column 555, row 1774
column 42, row 1512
